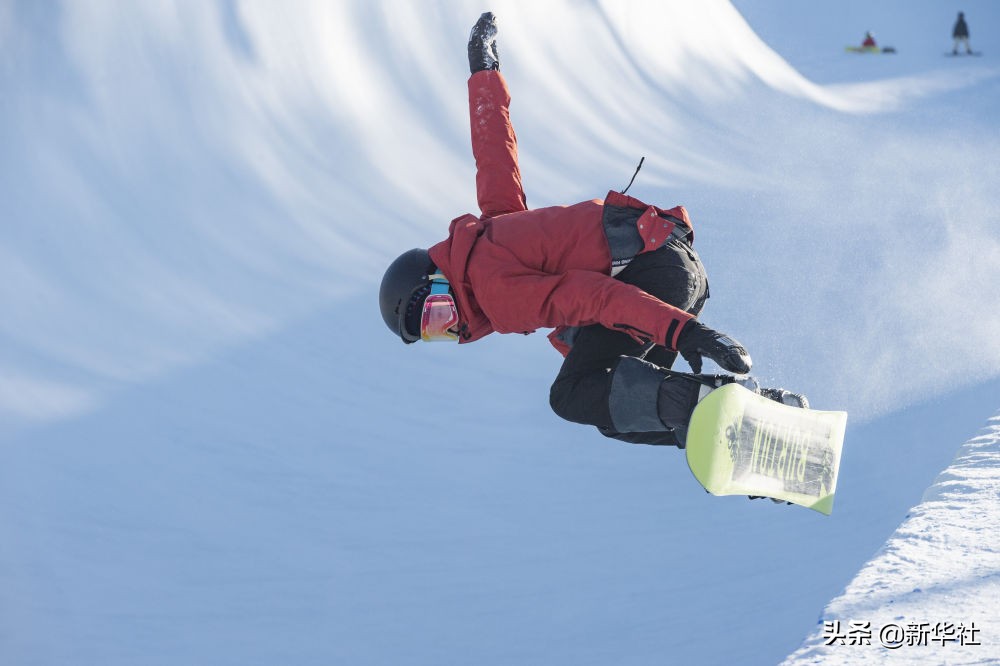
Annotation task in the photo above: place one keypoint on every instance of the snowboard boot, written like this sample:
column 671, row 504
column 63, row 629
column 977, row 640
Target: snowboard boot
column 483, row 54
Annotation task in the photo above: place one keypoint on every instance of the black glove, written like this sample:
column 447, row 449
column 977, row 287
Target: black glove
column 483, row 52
column 697, row 340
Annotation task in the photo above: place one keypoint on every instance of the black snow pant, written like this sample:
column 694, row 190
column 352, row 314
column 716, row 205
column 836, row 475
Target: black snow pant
column 611, row 381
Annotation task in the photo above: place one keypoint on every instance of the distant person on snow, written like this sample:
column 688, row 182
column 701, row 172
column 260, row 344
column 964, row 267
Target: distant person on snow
column 869, row 42
column 960, row 33
column 617, row 279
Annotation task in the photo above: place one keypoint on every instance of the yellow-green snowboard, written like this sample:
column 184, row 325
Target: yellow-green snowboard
column 740, row 443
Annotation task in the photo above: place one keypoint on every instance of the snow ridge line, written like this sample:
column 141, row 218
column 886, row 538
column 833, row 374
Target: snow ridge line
column 943, row 561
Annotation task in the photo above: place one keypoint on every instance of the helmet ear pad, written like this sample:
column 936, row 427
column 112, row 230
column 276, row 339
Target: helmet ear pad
column 402, row 283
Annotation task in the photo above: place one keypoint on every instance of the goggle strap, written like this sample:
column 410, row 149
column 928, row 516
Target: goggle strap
column 439, row 284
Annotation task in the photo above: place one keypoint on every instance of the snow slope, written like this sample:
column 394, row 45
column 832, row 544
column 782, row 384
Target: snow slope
column 930, row 594
column 211, row 451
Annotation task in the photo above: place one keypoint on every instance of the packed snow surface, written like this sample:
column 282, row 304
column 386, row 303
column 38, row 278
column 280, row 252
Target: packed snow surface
column 930, row 595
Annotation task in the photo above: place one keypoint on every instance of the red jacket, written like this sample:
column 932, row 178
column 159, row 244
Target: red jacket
column 515, row 270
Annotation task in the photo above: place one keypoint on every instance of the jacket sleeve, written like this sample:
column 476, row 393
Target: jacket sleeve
column 494, row 145
column 517, row 299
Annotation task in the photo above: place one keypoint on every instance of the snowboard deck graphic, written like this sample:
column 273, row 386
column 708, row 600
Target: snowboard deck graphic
column 740, row 443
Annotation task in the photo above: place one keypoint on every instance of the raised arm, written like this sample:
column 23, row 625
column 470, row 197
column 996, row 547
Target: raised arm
column 494, row 144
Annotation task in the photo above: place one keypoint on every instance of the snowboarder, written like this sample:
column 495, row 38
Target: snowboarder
column 617, row 279
column 869, row 42
column 960, row 33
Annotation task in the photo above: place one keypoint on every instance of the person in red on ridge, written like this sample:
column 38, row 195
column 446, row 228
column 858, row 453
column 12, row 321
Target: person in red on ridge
column 618, row 280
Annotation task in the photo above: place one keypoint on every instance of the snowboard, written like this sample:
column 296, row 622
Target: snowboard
column 740, row 443
column 870, row 49
column 963, row 54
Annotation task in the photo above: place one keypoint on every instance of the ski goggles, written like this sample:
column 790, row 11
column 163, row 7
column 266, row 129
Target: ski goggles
column 440, row 314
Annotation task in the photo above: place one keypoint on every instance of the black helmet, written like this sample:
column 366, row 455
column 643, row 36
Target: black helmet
column 405, row 285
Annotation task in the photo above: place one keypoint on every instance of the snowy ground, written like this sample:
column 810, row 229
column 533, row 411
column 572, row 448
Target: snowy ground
column 930, row 594
column 211, row 451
